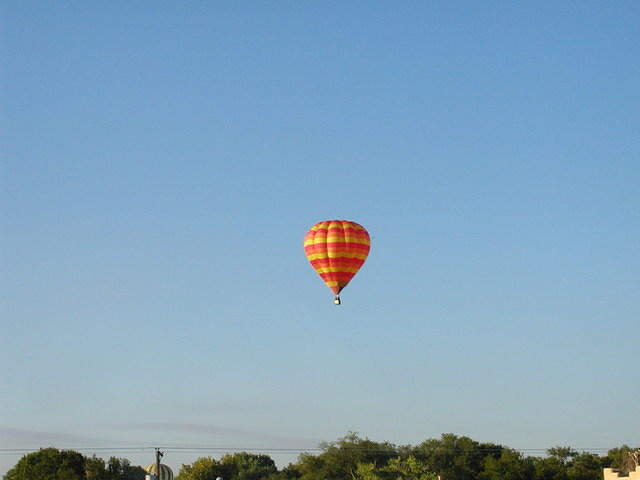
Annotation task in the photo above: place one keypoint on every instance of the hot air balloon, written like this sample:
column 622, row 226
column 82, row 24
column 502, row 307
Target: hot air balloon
column 158, row 471
column 336, row 250
column 165, row 472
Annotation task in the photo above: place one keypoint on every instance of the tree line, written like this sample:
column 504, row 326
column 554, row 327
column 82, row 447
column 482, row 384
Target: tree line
column 54, row 464
column 450, row 457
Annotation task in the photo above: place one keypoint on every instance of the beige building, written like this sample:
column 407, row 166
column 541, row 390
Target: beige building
column 610, row 474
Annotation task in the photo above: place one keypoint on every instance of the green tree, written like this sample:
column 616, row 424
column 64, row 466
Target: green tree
column 121, row 469
column 290, row 472
column 621, row 459
column 399, row 468
column 511, row 465
column 340, row 459
column 585, row 466
column 205, row 468
column 563, row 454
column 236, row 466
column 366, row 471
column 94, row 469
column 49, row 464
column 454, row 457
column 247, row 466
column 549, row 468
column 407, row 468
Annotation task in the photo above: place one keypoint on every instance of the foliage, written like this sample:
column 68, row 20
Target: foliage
column 622, row 458
column 549, row 468
column 237, row 466
column 49, row 464
column 247, row 466
column 585, row 466
column 340, row 459
column 564, row 463
column 563, row 454
column 510, row 465
column 451, row 457
column 399, row 468
column 290, row 472
column 94, row 469
column 454, row 457
column 121, row 469
column 54, row 464
column 205, row 468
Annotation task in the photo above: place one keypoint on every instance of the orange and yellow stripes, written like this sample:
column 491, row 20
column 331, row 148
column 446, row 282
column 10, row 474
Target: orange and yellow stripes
column 336, row 250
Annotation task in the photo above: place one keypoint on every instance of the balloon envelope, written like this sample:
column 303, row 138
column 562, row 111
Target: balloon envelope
column 336, row 250
column 165, row 472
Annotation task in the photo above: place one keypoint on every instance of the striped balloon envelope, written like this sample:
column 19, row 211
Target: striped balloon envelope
column 165, row 472
column 336, row 250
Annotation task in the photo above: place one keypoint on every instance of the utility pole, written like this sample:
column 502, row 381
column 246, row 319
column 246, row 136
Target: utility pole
column 159, row 455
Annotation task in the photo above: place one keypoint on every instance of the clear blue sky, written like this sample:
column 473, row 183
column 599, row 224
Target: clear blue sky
column 162, row 161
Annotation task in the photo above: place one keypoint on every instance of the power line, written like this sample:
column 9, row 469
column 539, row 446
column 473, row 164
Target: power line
column 142, row 449
column 291, row 450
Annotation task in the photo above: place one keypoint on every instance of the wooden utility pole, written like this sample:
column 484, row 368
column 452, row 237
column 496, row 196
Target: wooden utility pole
column 159, row 455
